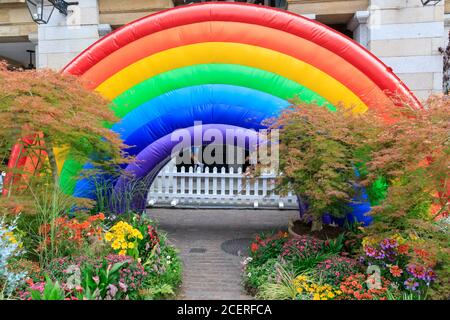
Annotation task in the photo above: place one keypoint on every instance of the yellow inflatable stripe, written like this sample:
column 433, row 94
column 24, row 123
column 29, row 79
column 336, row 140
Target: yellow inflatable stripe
column 232, row 53
column 60, row 155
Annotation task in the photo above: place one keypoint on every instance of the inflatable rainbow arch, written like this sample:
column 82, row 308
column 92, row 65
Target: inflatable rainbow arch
column 225, row 64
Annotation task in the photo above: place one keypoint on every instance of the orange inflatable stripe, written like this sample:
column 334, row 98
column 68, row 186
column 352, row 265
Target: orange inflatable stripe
column 236, row 32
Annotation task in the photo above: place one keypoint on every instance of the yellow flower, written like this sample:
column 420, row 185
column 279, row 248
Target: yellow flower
column 316, row 296
column 330, row 295
column 124, row 245
column 108, row 236
column 338, row 292
column 122, row 252
column 130, row 245
column 116, row 245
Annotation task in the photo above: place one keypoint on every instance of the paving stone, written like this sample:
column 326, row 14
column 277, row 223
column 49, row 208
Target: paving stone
column 214, row 274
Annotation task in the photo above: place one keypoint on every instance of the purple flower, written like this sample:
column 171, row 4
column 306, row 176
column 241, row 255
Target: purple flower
column 112, row 290
column 380, row 255
column 411, row 284
column 387, row 243
column 417, row 271
column 123, row 286
column 370, row 252
column 430, row 276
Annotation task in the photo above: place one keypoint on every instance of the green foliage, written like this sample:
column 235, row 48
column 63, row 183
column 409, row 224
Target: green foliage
column 281, row 289
column 164, row 273
column 157, row 291
column 256, row 274
column 317, row 157
column 59, row 109
column 52, row 291
column 335, row 269
column 98, row 282
column 267, row 246
column 305, row 263
column 334, row 246
column 377, row 191
column 110, row 199
column 50, row 204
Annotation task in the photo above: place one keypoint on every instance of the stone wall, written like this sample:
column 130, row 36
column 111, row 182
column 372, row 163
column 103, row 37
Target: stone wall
column 407, row 36
column 63, row 38
column 402, row 33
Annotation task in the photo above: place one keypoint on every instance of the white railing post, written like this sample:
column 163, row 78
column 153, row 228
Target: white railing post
column 182, row 182
column 186, row 187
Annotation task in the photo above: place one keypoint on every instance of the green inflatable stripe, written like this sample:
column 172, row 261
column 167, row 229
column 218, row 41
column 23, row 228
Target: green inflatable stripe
column 231, row 74
column 195, row 75
column 70, row 170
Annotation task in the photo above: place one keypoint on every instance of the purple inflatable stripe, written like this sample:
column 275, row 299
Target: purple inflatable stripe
column 161, row 149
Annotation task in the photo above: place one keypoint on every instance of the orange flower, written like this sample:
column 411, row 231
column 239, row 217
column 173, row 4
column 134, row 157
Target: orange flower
column 254, row 247
column 403, row 249
column 396, row 271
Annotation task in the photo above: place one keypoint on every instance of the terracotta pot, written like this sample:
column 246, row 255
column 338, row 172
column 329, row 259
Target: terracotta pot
column 291, row 231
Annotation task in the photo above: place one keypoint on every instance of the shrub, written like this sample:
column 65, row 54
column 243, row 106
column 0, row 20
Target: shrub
column 360, row 287
column 317, row 157
column 132, row 273
column 307, row 288
column 150, row 243
column 164, row 271
column 302, row 247
column 92, row 278
column 10, row 250
column 281, row 287
column 48, row 291
column 124, row 239
column 71, row 235
column 256, row 273
column 334, row 246
column 336, row 269
column 267, row 246
column 406, row 265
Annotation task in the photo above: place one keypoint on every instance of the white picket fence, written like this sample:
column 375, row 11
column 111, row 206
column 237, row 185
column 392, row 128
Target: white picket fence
column 181, row 188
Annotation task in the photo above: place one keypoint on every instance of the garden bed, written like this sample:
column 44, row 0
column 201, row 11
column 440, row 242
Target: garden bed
column 309, row 268
column 89, row 258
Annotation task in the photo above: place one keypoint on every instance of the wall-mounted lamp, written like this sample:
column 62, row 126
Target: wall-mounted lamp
column 41, row 10
column 430, row 2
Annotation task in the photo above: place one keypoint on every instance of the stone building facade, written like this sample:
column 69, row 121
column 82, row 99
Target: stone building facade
column 403, row 33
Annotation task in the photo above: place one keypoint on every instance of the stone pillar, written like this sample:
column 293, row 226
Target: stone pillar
column 406, row 36
column 358, row 25
column 64, row 37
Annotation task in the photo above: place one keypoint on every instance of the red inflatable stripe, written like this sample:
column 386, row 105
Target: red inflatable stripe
column 289, row 22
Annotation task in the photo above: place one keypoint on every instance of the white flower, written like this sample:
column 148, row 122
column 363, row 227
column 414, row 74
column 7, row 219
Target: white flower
column 247, row 261
column 249, row 274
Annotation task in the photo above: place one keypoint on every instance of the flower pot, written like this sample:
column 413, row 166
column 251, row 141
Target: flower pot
column 292, row 233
